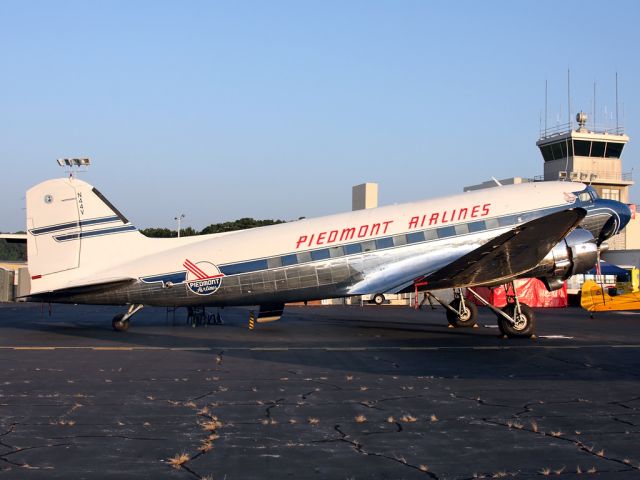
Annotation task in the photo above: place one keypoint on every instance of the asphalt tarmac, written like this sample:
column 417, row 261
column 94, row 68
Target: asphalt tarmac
column 326, row 392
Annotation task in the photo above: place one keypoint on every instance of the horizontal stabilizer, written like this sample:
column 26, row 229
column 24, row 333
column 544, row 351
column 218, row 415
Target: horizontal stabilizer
column 80, row 288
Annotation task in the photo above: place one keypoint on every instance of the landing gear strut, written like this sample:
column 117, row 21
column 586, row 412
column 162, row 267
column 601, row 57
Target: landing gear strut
column 460, row 313
column 515, row 320
column 120, row 322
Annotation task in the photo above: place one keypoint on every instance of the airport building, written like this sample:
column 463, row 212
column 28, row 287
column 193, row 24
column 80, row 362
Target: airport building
column 594, row 156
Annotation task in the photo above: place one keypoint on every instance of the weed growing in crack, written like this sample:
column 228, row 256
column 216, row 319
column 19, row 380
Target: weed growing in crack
column 178, row 460
column 313, row 421
column 627, row 461
column 578, row 432
column 361, row 419
column 189, row 404
column 364, row 389
column 499, row 475
column 534, row 426
column 578, row 470
column 592, row 470
column 600, row 453
column 205, row 447
column 556, row 433
column 559, row 471
column 433, row 417
column 293, row 421
column 204, row 411
column 349, row 378
column 407, row 418
column 423, row 468
column 390, row 419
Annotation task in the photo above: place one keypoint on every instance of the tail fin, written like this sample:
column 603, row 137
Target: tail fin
column 72, row 230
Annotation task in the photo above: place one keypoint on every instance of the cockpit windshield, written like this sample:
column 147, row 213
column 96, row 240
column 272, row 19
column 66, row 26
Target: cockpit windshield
column 588, row 195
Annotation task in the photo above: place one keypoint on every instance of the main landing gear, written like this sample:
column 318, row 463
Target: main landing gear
column 120, row 322
column 460, row 313
column 515, row 320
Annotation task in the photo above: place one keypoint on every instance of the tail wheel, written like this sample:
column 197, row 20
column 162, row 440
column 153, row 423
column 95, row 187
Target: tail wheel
column 378, row 299
column 524, row 323
column 119, row 323
column 463, row 316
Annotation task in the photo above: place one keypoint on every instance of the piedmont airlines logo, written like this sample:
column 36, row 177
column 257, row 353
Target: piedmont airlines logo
column 203, row 278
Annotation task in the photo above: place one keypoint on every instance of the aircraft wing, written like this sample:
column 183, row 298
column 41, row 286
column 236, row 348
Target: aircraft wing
column 509, row 255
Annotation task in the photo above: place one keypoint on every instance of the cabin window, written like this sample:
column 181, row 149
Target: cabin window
column 320, row 254
column 506, row 221
column 245, row 267
column 431, row 234
column 415, row 237
column 400, row 240
column 304, row 257
column 462, row 229
column 491, row 223
column 336, row 252
column 476, row 226
column 368, row 246
column 274, row 262
column 289, row 260
column 386, row 242
column 445, row 232
column 352, row 249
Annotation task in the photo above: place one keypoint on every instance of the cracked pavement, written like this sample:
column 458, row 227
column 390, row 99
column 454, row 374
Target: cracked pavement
column 335, row 392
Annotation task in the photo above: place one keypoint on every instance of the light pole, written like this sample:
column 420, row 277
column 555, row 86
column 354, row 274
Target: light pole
column 179, row 220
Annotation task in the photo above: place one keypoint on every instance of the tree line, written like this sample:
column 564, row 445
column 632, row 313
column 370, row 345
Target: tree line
column 17, row 251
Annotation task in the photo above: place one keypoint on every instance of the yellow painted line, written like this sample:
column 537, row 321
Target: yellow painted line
column 108, row 349
column 32, row 348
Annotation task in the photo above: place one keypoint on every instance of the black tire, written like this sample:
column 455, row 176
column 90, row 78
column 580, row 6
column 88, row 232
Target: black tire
column 468, row 317
column 525, row 324
column 378, row 299
column 118, row 324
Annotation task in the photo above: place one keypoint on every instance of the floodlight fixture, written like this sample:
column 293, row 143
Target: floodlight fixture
column 74, row 162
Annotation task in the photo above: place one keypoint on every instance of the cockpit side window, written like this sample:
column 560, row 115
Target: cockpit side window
column 585, row 197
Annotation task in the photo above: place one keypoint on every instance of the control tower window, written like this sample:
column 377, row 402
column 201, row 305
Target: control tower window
column 614, row 150
column 611, row 194
column 546, row 153
column 597, row 149
column 581, row 148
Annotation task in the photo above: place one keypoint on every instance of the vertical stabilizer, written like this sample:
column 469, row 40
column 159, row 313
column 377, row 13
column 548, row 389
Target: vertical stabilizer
column 72, row 231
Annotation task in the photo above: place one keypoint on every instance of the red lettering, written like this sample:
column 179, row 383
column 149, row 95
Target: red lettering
column 444, row 217
column 474, row 211
column 321, row 238
column 301, row 240
column 386, row 225
column 375, row 229
column 311, row 239
column 333, row 234
column 462, row 216
column 485, row 209
column 347, row 233
column 413, row 223
column 453, row 215
column 424, row 217
column 434, row 218
column 362, row 233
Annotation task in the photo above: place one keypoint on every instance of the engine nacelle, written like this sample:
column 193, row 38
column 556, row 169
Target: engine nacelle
column 576, row 253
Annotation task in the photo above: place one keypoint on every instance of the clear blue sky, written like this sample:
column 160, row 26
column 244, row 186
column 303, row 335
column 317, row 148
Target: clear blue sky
column 274, row 109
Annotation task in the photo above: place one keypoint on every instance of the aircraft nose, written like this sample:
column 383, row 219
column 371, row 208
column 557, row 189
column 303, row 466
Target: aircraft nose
column 620, row 216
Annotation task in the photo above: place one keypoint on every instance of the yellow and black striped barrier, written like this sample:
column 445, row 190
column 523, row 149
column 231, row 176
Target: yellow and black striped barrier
column 251, row 321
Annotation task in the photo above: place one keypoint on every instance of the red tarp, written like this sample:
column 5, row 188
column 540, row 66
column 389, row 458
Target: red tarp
column 530, row 291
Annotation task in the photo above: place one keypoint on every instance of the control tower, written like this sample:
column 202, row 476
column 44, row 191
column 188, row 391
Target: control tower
column 588, row 156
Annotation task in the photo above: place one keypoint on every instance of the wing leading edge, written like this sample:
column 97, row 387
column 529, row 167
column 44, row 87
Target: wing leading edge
column 509, row 255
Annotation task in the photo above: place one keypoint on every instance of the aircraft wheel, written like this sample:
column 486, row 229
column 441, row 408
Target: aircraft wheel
column 378, row 299
column 525, row 322
column 468, row 316
column 119, row 324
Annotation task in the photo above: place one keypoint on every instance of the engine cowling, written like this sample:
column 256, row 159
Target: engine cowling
column 576, row 253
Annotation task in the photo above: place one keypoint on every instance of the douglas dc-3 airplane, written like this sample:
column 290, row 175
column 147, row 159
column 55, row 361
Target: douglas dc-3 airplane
column 81, row 249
